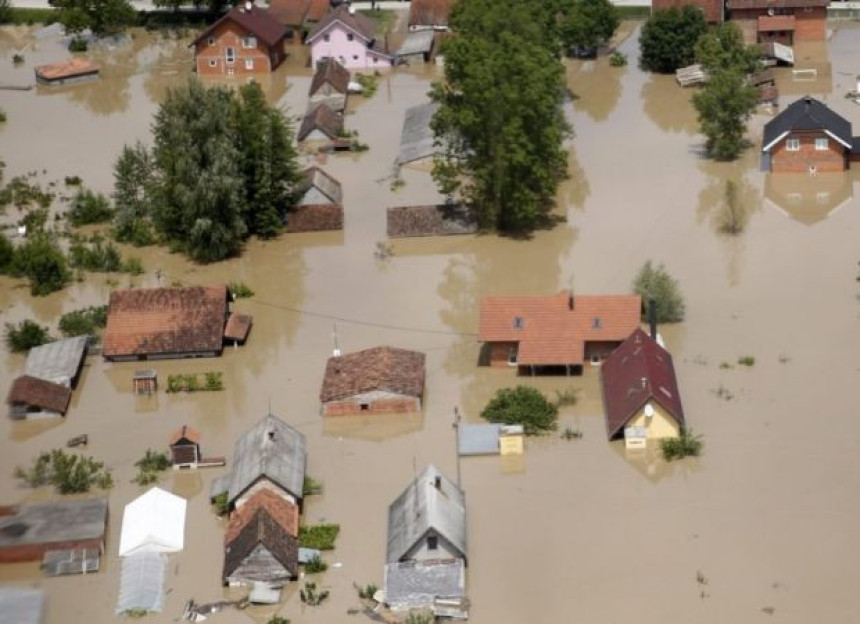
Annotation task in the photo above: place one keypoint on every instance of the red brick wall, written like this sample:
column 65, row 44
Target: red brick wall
column 35, row 552
column 808, row 26
column 500, row 352
column 830, row 160
column 384, row 406
column 227, row 35
column 711, row 8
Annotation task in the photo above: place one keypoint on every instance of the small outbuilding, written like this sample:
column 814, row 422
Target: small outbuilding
column 30, row 398
column 330, row 85
column 74, row 70
column 145, row 381
column 430, row 220
column 416, row 48
column 417, row 142
column 237, row 328
column 640, row 391
column 315, row 218
column 377, row 380
column 320, row 123
column 185, row 446
column 21, row 605
column 153, row 522
column 318, row 187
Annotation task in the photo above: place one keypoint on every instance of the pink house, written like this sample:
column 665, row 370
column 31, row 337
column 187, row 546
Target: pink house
column 349, row 38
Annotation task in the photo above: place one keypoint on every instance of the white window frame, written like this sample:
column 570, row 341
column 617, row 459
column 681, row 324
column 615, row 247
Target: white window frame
column 249, row 64
column 822, row 144
column 249, row 43
column 230, row 55
column 213, row 62
column 210, row 41
column 792, row 145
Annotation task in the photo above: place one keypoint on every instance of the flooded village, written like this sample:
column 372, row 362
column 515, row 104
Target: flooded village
column 757, row 528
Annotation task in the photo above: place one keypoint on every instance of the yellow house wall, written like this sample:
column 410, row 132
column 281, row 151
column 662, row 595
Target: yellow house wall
column 662, row 424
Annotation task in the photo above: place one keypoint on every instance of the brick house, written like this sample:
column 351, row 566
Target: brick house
column 377, row 380
column 782, row 21
column 349, row 38
column 808, row 137
column 247, row 40
column 713, row 9
column 555, row 333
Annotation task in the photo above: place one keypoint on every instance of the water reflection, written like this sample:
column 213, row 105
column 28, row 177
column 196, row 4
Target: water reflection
column 809, row 199
column 597, row 86
column 650, row 464
column 668, row 105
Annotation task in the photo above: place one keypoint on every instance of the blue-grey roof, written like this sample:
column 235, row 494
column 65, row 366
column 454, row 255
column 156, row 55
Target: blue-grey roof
column 417, row 42
column 807, row 114
column 416, row 139
column 270, row 449
column 417, row 584
column 58, row 361
column 478, row 439
column 20, row 605
column 421, row 507
column 49, row 523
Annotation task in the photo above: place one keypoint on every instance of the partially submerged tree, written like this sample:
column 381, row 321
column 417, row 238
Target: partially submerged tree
column 733, row 216
column 133, row 177
column 69, row 473
column 42, row 262
column 656, row 283
column 724, row 48
column 102, row 17
column 669, row 38
column 587, row 24
column 500, row 118
column 524, row 406
column 26, row 335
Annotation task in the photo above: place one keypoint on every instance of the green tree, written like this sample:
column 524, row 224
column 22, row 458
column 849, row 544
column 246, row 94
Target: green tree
column 669, row 38
column 7, row 254
column 500, row 119
column 133, row 180
column 587, row 24
column 723, row 47
column 5, row 11
column 522, row 406
column 67, row 472
column 724, row 105
column 83, row 322
column 656, row 283
column 89, row 207
column 26, row 335
column 42, row 262
column 103, row 17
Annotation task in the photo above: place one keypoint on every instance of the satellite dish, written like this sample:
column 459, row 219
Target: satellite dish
column 649, row 411
column 249, row 5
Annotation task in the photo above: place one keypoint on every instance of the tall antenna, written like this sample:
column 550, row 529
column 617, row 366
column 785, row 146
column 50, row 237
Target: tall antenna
column 336, row 351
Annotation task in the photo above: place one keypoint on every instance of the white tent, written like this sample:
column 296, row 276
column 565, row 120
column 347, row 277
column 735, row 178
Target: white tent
column 153, row 522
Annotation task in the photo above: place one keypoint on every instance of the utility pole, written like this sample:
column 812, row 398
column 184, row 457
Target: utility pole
column 456, row 425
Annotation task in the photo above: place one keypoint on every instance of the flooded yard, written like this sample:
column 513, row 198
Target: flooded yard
column 760, row 527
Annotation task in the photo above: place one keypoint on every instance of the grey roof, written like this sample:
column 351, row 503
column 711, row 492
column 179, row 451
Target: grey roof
column 807, row 114
column 273, row 449
column 72, row 561
column 141, row 583
column 327, row 185
column 49, row 523
column 416, row 139
column 58, row 361
column 418, row 42
column 417, row 584
column 422, row 507
column 19, row 605
column 478, row 439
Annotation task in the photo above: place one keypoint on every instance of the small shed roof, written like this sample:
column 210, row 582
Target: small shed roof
column 153, row 522
column 430, row 220
column 381, row 368
column 417, row 42
column 238, row 327
column 152, row 321
column 26, row 390
column 257, row 21
column 418, row 584
column 315, row 218
column 71, row 68
column 329, row 71
column 57, row 361
column 423, row 506
column 478, row 439
column 262, row 529
column 416, row 139
column 807, row 114
column 21, row 605
column 50, row 523
column 184, row 433
column 638, row 371
column 314, row 177
column 270, row 449
column 322, row 118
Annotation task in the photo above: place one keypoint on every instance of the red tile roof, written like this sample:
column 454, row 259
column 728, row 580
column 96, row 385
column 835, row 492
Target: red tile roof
column 380, row 368
column 39, row 393
column 638, row 371
column 430, row 12
column 238, row 327
column 67, row 69
column 289, row 12
column 315, row 218
column 153, row 321
column 258, row 21
column 329, row 71
column 285, row 513
column 318, row 10
column 549, row 332
column 184, row 433
column 778, row 4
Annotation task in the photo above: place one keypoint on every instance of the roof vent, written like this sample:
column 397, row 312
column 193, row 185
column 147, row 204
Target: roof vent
column 272, row 434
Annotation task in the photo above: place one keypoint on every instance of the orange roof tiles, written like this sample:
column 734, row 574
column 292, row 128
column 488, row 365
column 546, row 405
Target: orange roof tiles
column 67, row 69
column 285, row 513
column 185, row 433
column 549, row 331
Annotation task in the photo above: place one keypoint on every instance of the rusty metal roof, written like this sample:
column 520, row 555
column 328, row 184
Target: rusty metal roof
column 31, row 391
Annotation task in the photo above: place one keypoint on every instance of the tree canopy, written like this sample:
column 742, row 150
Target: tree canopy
column 655, row 282
column 669, row 38
column 524, row 406
column 103, row 17
column 587, row 24
column 500, row 119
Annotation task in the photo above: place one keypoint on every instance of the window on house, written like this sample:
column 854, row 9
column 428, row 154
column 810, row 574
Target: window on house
column 432, row 542
column 595, row 323
column 326, row 38
column 211, row 41
column 350, row 37
column 375, row 60
column 793, row 145
column 512, row 356
column 355, row 57
column 519, row 322
column 230, row 54
column 364, row 407
column 249, row 63
column 822, row 144
column 213, row 63
column 249, row 42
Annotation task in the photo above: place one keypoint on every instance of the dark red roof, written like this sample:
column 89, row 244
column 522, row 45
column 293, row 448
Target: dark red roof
column 238, row 326
column 331, row 72
column 775, row 4
column 430, row 12
column 381, row 368
column 257, row 21
column 638, row 371
column 315, row 218
column 40, row 393
column 321, row 118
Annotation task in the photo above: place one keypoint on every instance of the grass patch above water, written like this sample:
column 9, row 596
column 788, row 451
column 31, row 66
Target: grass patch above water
column 319, row 536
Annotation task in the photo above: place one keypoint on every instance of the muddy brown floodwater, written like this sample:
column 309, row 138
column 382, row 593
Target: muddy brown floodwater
column 765, row 519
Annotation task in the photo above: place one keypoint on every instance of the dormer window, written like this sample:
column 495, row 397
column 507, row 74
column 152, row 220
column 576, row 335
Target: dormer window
column 432, row 542
column 519, row 322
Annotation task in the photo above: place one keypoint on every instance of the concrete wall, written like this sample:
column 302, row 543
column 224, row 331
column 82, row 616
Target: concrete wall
column 660, row 425
column 832, row 159
column 227, row 35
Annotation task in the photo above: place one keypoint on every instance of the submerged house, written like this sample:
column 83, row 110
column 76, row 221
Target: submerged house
column 160, row 323
column 418, row 144
column 320, row 123
column 349, row 38
column 377, row 380
column 261, row 543
column 318, row 187
column 185, row 446
column 640, row 392
column 270, row 456
column 32, row 398
column 330, row 85
column 555, row 333
column 780, row 21
column 247, row 40
column 807, row 136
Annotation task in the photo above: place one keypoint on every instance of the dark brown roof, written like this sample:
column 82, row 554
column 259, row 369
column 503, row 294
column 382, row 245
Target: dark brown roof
column 380, row 368
column 150, row 321
column 360, row 24
column 331, row 72
column 321, row 118
column 184, row 433
column 318, row 10
column 258, row 21
column 238, row 326
column 315, row 218
column 283, row 511
column 430, row 12
column 638, row 371
column 262, row 529
column 434, row 220
column 289, row 12
column 40, row 393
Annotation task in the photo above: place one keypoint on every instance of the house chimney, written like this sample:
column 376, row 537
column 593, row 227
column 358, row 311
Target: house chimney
column 652, row 317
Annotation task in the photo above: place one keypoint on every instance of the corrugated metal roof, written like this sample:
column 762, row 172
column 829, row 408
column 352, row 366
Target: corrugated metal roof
column 58, row 361
column 478, row 439
column 416, row 139
column 19, row 605
column 141, row 584
column 421, row 507
column 418, row 42
column 417, row 584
